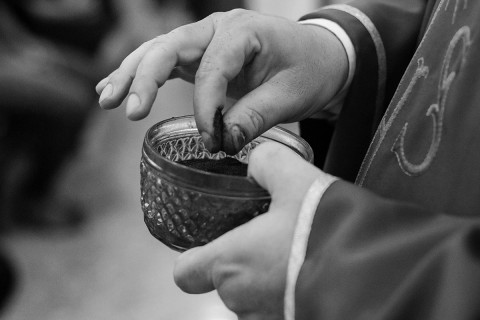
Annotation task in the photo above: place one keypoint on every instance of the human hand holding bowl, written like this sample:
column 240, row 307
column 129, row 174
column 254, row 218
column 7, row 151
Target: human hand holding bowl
column 187, row 203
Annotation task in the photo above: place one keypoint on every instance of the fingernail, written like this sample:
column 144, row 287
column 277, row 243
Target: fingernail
column 207, row 141
column 102, row 82
column 238, row 138
column 132, row 103
column 106, row 93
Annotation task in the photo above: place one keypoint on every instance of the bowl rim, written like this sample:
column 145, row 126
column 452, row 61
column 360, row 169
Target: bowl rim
column 208, row 182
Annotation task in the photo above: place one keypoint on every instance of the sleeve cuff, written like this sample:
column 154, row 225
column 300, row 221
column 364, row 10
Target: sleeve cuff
column 338, row 31
column 333, row 108
column 300, row 239
column 375, row 37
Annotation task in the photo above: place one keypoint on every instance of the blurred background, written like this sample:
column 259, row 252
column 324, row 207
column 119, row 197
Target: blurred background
column 73, row 243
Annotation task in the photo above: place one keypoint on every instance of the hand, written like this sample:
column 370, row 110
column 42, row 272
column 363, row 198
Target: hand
column 279, row 70
column 248, row 264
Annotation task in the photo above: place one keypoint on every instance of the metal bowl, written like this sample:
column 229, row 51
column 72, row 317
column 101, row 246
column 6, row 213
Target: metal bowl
column 186, row 207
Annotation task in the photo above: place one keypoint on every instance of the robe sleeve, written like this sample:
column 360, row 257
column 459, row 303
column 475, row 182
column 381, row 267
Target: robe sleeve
column 369, row 257
column 384, row 34
column 372, row 258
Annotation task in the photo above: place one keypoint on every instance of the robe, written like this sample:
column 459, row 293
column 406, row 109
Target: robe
column 398, row 237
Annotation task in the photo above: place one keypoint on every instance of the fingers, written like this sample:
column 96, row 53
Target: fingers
column 227, row 46
column 282, row 172
column 176, row 48
column 223, row 60
column 223, row 56
column 114, row 88
column 151, row 65
column 250, row 261
column 258, row 111
column 203, row 269
column 193, row 270
column 231, row 262
column 101, row 85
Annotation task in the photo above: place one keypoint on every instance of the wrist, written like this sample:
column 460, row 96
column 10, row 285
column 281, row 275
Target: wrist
column 335, row 70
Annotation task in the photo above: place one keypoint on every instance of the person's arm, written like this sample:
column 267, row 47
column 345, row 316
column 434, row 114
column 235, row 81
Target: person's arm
column 384, row 34
column 369, row 257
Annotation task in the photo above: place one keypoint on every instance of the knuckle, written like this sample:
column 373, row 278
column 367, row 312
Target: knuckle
column 206, row 68
column 239, row 13
column 242, row 17
column 126, row 62
column 145, row 44
column 160, row 43
column 231, row 18
column 166, row 42
column 159, row 50
column 216, row 16
column 119, row 78
column 178, row 34
column 257, row 120
column 160, row 38
column 201, row 74
column 219, row 17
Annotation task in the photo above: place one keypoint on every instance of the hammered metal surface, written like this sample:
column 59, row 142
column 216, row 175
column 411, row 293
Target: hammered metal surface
column 183, row 218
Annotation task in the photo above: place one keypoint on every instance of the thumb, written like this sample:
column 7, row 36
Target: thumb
column 255, row 113
column 193, row 269
column 282, row 172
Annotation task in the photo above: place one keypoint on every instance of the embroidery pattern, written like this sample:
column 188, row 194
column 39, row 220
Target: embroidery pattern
column 385, row 124
column 435, row 111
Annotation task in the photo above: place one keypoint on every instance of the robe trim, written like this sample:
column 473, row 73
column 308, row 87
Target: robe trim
column 347, row 44
column 333, row 107
column 301, row 234
column 378, row 42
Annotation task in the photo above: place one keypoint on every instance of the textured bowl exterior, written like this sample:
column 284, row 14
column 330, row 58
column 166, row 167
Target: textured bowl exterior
column 185, row 207
column 183, row 218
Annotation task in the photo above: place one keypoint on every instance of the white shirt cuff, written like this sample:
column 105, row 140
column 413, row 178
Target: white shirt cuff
column 300, row 239
column 333, row 108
